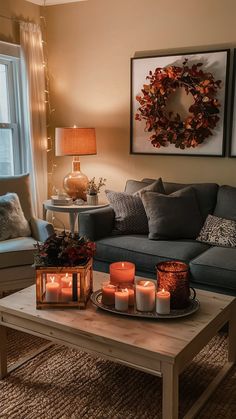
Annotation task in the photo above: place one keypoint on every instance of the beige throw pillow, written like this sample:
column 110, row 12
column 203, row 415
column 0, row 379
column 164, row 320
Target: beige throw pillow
column 12, row 220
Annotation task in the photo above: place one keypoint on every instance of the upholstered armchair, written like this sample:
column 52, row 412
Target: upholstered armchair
column 16, row 254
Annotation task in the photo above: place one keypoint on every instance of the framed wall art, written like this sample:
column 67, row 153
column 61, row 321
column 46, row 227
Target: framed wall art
column 178, row 104
column 232, row 151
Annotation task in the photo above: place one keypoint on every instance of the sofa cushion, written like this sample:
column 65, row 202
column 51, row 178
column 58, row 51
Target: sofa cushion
column 144, row 252
column 218, row 231
column 226, row 202
column 174, row 216
column 12, row 220
column 17, row 252
column 130, row 216
column 216, row 267
column 206, row 194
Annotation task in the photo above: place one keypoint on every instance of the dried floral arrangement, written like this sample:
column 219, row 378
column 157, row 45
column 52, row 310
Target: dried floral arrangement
column 167, row 128
column 94, row 187
column 64, row 250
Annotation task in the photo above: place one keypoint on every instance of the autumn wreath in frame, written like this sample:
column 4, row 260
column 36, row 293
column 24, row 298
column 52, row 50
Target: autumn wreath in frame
column 179, row 103
column 165, row 127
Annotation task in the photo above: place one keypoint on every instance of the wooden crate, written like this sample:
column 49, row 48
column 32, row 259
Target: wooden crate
column 64, row 287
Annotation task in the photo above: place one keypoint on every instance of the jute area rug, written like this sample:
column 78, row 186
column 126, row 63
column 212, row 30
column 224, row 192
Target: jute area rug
column 64, row 383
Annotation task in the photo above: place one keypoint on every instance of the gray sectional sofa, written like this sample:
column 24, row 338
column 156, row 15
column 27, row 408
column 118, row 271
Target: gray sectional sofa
column 211, row 267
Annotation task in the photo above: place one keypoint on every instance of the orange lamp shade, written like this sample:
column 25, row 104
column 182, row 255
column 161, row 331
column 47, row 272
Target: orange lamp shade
column 75, row 141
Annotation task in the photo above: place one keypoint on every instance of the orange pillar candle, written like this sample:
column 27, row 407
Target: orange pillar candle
column 52, row 290
column 66, row 281
column 108, row 294
column 145, row 295
column 163, row 302
column 122, row 300
column 66, row 293
column 122, row 273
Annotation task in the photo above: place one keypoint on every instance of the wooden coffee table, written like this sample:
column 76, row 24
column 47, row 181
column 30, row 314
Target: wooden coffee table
column 162, row 348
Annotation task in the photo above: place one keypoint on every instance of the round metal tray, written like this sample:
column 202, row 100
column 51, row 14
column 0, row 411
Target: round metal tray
column 193, row 306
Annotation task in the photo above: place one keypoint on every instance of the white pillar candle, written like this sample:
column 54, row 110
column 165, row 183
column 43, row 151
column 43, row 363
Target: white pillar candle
column 122, row 300
column 145, row 295
column 163, row 302
column 52, row 290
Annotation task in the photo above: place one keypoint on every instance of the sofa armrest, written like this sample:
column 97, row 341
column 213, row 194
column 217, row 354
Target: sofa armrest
column 41, row 229
column 97, row 223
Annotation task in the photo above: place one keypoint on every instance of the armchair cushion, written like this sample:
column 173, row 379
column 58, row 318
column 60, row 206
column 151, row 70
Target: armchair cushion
column 12, row 219
column 17, row 252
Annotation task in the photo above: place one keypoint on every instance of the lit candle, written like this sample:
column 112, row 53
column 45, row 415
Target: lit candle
column 122, row 300
column 66, row 281
column 52, row 290
column 145, row 296
column 66, row 294
column 122, row 272
column 163, row 302
column 108, row 293
column 131, row 296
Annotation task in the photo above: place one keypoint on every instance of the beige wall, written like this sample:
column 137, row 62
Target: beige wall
column 19, row 9
column 90, row 45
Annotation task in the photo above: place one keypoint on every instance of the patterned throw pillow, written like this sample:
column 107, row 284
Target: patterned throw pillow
column 130, row 216
column 218, row 231
column 12, row 220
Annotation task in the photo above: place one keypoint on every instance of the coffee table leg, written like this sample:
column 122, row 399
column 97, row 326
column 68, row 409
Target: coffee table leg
column 232, row 336
column 3, row 352
column 170, row 392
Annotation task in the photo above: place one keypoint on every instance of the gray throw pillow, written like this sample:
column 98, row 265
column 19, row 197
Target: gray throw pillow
column 133, row 186
column 156, row 186
column 218, row 231
column 226, row 203
column 174, row 216
column 130, row 216
column 12, row 220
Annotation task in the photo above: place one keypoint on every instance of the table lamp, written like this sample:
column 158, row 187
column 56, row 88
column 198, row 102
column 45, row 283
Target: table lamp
column 75, row 142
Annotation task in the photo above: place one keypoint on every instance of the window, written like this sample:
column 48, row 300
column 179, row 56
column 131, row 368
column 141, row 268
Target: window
column 10, row 113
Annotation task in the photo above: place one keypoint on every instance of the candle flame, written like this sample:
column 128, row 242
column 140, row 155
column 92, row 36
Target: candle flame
column 67, row 275
column 146, row 283
column 70, row 284
column 122, row 264
column 125, row 290
column 52, row 278
column 163, row 290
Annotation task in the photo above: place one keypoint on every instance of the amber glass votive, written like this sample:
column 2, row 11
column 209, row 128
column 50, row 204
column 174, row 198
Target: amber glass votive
column 122, row 273
column 173, row 276
column 108, row 293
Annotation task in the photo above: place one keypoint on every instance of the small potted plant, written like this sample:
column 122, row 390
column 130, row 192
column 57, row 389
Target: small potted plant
column 93, row 190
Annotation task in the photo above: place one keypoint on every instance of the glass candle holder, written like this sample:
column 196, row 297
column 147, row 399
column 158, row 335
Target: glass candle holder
column 173, row 276
column 122, row 273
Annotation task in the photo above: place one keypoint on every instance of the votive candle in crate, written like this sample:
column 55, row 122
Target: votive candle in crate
column 66, row 281
column 145, row 295
column 122, row 273
column 163, row 302
column 122, row 299
column 108, row 293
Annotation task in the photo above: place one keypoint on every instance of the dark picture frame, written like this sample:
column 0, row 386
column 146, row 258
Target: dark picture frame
column 232, row 146
column 215, row 62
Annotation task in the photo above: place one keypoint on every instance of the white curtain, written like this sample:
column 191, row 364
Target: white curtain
column 35, row 158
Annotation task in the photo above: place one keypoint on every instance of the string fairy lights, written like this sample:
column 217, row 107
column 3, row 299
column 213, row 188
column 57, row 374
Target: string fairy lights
column 48, row 103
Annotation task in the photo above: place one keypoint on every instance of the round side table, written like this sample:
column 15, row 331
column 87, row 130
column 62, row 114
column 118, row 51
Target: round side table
column 72, row 210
